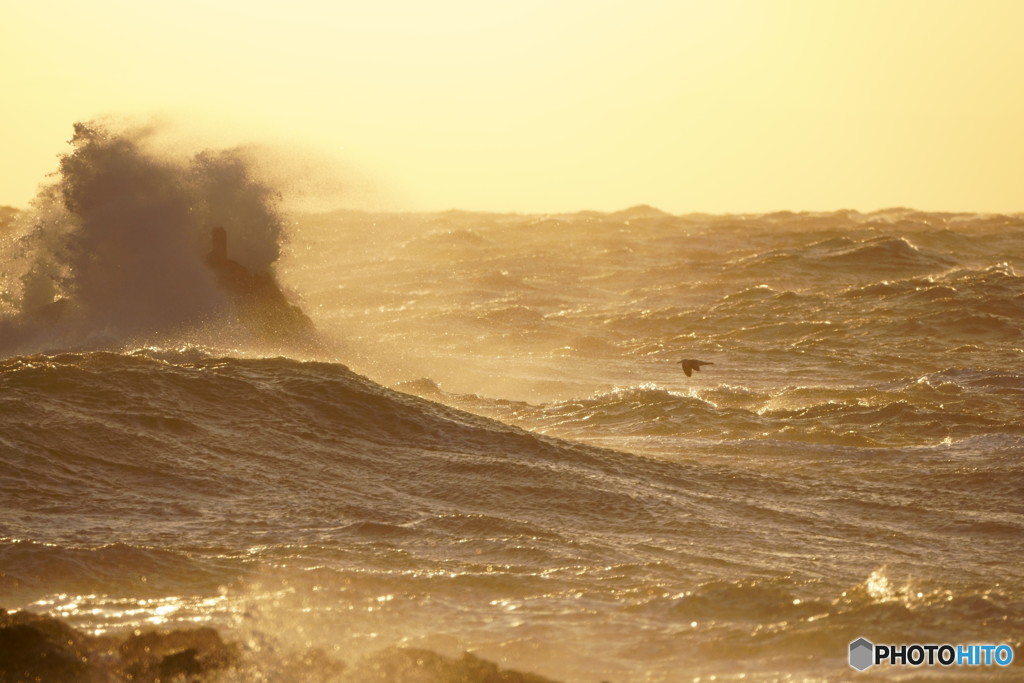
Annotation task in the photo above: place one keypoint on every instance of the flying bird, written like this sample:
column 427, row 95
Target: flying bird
column 689, row 365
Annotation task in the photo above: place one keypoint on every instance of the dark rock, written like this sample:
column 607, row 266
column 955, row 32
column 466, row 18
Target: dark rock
column 35, row 647
column 182, row 652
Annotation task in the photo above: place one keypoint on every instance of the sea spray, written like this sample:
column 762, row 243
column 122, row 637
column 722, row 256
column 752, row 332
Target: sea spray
column 117, row 251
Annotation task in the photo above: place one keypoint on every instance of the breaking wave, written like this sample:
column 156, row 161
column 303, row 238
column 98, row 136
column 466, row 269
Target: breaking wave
column 116, row 250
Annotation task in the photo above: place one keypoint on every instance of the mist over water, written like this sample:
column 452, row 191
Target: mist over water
column 116, row 248
column 511, row 461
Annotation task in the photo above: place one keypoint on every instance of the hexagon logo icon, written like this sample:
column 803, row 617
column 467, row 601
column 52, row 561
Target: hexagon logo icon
column 862, row 654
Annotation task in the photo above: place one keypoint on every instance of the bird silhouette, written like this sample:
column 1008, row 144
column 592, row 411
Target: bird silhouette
column 689, row 365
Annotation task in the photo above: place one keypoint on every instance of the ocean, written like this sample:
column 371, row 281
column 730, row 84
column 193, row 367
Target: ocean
column 375, row 442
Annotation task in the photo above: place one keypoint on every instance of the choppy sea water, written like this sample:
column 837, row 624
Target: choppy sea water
column 493, row 449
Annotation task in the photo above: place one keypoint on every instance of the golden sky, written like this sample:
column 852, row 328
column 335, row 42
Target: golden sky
column 536, row 106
